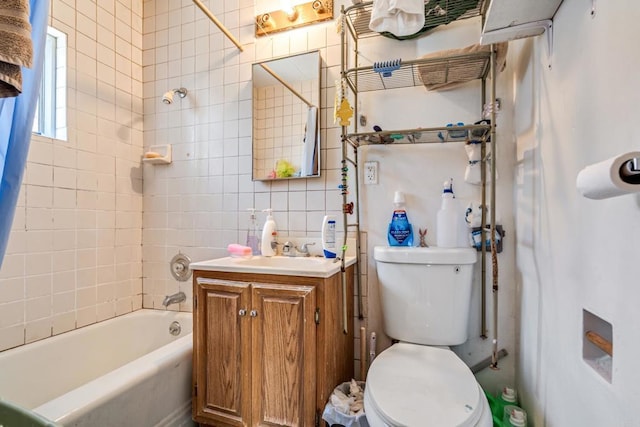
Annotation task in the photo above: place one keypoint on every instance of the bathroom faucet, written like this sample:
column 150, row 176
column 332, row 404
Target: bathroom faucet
column 304, row 249
column 174, row 299
column 289, row 249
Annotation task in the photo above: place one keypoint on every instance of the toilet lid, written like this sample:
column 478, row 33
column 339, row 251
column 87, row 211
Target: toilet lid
column 414, row 385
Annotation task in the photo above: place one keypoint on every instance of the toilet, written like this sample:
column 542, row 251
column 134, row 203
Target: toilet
column 425, row 295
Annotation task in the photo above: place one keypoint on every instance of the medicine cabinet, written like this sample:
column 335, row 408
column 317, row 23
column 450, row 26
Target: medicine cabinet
column 286, row 117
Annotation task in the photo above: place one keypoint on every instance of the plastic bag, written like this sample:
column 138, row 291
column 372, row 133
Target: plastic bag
column 334, row 411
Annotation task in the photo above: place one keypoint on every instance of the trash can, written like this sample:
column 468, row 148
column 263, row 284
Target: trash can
column 346, row 406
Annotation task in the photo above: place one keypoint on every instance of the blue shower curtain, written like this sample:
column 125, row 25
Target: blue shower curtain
column 16, row 121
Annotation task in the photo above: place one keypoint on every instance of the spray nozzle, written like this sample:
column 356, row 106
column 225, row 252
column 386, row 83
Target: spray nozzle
column 448, row 186
column 253, row 212
column 269, row 211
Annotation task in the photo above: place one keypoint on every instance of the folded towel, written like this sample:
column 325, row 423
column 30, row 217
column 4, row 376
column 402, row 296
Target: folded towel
column 447, row 72
column 399, row 17
column 16, row 47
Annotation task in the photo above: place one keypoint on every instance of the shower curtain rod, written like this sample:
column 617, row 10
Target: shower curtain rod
column 285, row 84
column 224, row 30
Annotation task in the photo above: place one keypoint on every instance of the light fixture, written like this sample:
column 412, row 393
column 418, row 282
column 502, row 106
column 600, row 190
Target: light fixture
column 294, row 16
column 292, row 13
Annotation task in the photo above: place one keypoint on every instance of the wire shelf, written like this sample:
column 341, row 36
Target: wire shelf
column 432, row 73
column 439, row 135
column 437, row 12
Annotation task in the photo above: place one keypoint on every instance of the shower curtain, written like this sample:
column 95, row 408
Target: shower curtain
column 16, row 121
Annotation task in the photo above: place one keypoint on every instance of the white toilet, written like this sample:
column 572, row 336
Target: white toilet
column 419, row 382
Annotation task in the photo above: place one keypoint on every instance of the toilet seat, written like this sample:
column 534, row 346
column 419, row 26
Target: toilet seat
column 415, row 385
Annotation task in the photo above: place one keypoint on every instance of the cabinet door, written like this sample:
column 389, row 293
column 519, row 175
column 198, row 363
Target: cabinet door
column 222, row 357
column 284, row 355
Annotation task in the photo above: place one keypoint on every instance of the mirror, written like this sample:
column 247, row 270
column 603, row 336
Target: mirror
column 286, row 117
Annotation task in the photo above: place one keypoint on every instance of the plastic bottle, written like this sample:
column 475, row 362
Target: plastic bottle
column 448, row 218
column 269, row 234
column 400, row 232
column 507, row 396
column 253, row 241
column 516, row 417
column 329, row 236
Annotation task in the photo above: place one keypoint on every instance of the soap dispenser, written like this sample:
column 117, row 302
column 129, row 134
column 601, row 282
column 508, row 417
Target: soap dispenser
column 269, row 234
column 253, row 241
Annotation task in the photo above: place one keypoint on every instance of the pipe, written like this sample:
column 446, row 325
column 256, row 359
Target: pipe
column 363, row 353
column 372, row 347
column 494, row 249
column 222, row 28
column 485, row 363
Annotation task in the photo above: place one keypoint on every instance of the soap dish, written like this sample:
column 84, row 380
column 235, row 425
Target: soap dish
column 158, row 155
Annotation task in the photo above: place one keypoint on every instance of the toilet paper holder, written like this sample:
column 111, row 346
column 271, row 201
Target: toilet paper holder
column 630, row 171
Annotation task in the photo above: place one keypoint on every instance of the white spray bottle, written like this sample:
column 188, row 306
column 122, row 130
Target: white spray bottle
column 447, row 219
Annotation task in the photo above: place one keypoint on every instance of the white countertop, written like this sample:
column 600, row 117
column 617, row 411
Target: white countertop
column 283, row 265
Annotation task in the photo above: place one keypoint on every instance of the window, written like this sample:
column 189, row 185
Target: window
column 50, row 117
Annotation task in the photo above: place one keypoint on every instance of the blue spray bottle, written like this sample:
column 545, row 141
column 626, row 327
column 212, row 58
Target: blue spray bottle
column 400, row 230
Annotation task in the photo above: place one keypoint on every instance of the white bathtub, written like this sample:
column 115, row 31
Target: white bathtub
column 127, row 371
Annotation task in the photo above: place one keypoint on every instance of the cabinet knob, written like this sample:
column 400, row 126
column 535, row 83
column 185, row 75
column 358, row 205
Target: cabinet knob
column 253, row 313
column 242, row 312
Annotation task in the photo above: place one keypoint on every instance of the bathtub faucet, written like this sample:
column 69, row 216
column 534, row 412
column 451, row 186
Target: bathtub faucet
column 174, row 299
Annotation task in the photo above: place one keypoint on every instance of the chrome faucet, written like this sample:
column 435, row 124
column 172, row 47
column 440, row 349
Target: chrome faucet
column 289, row 249
column 174, row 299
column 304, row 249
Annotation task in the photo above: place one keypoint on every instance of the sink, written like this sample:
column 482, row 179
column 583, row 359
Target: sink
column 289, row 266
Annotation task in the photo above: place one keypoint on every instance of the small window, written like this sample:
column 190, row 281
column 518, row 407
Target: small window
column 50, row 117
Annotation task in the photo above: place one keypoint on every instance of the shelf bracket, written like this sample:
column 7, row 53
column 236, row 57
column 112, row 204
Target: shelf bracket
column 514, row 32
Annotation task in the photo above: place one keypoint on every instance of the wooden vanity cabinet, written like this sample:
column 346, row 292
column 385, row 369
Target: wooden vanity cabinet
column 268, row 349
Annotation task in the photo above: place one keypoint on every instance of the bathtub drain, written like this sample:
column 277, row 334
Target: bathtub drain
column 175, row 328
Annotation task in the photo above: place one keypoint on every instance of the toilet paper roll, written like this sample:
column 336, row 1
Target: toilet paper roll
column 610, row 178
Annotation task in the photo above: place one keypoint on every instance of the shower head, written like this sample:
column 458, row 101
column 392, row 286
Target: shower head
column 167, row 98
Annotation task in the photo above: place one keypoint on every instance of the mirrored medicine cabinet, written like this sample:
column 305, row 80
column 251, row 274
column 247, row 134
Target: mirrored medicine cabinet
column 286, row 117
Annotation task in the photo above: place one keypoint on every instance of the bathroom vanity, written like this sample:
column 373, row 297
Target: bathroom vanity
column 270, row 341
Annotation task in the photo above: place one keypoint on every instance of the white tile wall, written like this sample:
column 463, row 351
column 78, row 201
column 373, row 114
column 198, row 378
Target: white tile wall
column 198, row 204
column 74, row 255
column 86, row 243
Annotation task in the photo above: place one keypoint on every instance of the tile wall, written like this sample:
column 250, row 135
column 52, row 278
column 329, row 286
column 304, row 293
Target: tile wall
column 74, row 255
column 95, row 228
column 198, row 204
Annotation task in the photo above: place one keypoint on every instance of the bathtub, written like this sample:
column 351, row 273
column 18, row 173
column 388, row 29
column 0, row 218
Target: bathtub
column 126, row 371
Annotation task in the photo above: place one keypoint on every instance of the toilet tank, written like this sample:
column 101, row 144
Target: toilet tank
column 425, row 293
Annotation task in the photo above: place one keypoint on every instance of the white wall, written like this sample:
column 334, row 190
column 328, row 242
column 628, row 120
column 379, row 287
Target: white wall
column 575, row 253
column 74, row 254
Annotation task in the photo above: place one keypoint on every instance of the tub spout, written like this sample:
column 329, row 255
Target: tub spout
column 174, row 299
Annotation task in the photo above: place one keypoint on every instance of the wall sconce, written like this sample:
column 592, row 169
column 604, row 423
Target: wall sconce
column 296, row 16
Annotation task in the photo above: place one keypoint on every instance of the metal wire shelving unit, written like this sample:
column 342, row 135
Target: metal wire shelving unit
column 434, row 70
